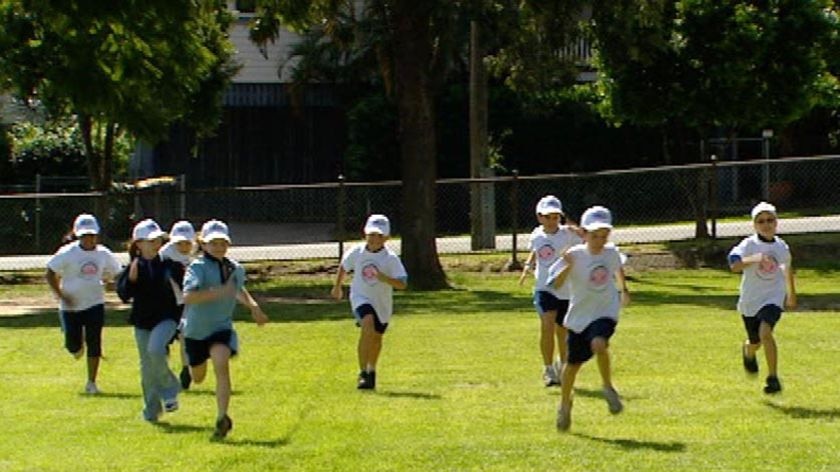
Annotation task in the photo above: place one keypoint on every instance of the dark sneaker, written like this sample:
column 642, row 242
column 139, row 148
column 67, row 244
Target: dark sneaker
column 367, row 381
column 613, row 401
column 773, row 385
column 750, row 363
column 185, row 377
column 223, row 425
column 564, row 418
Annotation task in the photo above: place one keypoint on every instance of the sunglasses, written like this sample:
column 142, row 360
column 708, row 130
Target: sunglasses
column 766, row 220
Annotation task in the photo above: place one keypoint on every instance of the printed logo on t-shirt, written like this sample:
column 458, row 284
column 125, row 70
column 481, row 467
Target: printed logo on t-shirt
column 89, row 269
column 599, row 277
column 369, row 273
column 768, row 267
column 547, row 253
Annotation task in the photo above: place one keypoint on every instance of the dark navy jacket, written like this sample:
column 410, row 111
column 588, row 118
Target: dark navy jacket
column 151, row 296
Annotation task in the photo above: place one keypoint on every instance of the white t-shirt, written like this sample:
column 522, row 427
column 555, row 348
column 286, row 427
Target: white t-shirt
column 592, row 285
column 82, row 273
column 764, row 283
column 365, row 287
column 549, row 248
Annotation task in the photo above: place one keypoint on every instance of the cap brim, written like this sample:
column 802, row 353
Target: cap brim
column 85, row 232
column 177, row 238
column 552, row 211
column 212, row 236
column 597, row 226
column 375, row 231
column 155, row 235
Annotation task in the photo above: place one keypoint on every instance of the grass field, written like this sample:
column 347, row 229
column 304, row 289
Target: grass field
column 459, row 387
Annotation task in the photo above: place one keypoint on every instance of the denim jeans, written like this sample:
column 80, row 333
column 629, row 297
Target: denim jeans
column 158, row 381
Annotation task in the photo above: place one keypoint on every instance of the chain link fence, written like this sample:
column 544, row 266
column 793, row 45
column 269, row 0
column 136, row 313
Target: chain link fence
column 283, row 222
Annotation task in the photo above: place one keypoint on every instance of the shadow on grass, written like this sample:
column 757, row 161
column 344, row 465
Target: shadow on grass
column 800, row 412
column 634, row 444
column 414, row 395
column 252, row 442
column 170, row 428
column 117, row 395
column 207, row 393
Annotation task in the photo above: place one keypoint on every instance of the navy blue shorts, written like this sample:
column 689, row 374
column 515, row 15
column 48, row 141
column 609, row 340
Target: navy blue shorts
column 546, row 301
column 770, row 314
column 580, row 344
column 87, row 323
column 198, row 350
column 368, row 310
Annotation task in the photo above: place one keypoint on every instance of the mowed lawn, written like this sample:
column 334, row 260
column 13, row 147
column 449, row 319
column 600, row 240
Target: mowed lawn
column 458, row 387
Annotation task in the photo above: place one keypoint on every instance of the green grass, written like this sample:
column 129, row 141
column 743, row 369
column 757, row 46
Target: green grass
column 459, row 388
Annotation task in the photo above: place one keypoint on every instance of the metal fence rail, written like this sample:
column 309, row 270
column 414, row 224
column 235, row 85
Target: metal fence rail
column 313, row 221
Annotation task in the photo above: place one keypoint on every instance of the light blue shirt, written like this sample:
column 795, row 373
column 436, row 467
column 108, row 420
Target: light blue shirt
column 203, row 319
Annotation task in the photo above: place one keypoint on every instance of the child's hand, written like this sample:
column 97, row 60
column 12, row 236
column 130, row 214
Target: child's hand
column 67, row 299
column 790, row 301
column 523, row 275
column 382, row 277
column 228, row 290
column 132, row 270
column 337, row 292
column 625, row 298
column 258, row 315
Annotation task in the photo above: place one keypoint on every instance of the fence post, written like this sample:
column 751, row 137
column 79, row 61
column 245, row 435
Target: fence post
column 38, row 212
column 765, row 168
column 513, row 263
column 713, row 204
column 183, row 189
column 339, row 227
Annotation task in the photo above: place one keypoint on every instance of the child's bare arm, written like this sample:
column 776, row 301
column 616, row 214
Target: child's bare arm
column 529, row 265
column 740, row 264
column 398, row 284
column 790, row 300
column 244, row 297
column 621, row 279
column 337, row 292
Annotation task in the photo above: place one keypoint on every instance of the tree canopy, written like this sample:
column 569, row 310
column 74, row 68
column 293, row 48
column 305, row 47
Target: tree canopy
column 127, row 66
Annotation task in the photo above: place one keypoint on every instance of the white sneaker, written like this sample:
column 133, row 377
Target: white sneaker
column 550, row 376
column 613, row 401
column 91, row 389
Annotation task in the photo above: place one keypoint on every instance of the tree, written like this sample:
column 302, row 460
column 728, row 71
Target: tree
column 413, row 45
column 128, row 66
column 689, row 67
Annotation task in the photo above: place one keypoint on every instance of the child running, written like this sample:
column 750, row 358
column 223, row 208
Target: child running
column 180, row 249
column 548, row 242
column 592, row 269
column 147, row 284
column 76, row 274
column 376, row 272
column 212, row 285
column 767, row 285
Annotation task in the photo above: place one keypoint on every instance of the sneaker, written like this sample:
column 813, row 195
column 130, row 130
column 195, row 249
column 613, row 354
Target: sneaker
column 613, row 401
column 773, row 385
column 550, row 376
column 170, row 405
column 564, row 418
column 185, row 377
column 91, row 388
column 367, row 381
column 750, row 363
column 223, row 426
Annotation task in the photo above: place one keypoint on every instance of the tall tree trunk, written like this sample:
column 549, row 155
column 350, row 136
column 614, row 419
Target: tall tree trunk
column 418, row 145
column 94, row 160
column 482, row 196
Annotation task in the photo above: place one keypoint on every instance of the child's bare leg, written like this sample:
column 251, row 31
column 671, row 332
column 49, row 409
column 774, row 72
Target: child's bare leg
column 92, row 368
column 220, row 354
column 562, row 349
column 365, row 341
column 375, row 349
column 602, row 354
column 567, row 386
column 199, row 372
column 765, row 332
column 547, row 324
column 752, row 348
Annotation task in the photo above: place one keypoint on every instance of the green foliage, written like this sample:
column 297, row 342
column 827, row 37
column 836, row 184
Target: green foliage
column 706, row 63
column 54, row 148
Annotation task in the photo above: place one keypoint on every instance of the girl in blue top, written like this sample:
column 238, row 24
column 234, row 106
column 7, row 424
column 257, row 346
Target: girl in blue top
column 212, row 285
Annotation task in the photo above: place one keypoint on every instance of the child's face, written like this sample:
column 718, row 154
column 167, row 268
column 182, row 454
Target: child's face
column 88, row 241
column 216, row 248
column 550, row 221
column 184, row 247
column 149, row 247
column 375, row 241
column 596, row 239
column 765, row 224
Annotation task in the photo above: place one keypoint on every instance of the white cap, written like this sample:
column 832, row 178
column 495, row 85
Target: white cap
column 181, row 231
column 85, row 224
column 147, row 229
column 596, row 217
column 761, row 208
column 378, row 224
column 549, row 204
column 214, row 229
